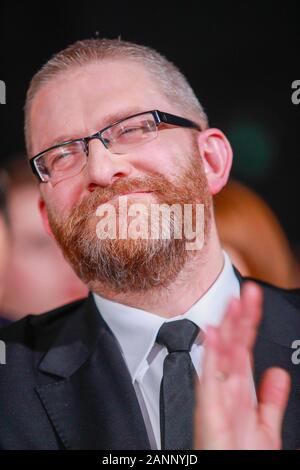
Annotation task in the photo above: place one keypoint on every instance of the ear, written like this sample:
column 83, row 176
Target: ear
column 45, row 219
column 216, row 153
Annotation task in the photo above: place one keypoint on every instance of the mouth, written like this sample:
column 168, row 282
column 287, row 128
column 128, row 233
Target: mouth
column 131, row 193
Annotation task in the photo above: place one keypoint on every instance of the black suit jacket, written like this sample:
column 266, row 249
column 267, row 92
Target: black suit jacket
column 65, row 384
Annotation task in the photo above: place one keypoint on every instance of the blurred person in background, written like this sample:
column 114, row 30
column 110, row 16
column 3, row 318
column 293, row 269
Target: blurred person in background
column 4, row 238
column 38, row 277
column 253, row 237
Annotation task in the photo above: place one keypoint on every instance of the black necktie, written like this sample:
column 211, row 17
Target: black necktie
column 177, row 400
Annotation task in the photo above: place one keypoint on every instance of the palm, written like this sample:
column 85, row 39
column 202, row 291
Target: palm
column 229, row 415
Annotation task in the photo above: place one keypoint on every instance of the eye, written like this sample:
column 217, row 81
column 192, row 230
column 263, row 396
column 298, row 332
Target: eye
column 63, row 157
column 131, row 133
column 131, row 130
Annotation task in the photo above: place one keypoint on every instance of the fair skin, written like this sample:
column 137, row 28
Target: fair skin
column 36, row 263
column 227, row 418
column 76, row 105
column 109, row 88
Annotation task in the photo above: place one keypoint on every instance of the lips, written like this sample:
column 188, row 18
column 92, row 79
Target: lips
column 130, row 193
column 135, row 192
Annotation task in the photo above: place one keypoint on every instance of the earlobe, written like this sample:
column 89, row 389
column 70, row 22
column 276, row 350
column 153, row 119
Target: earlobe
column 216, row 153
column 44, row 215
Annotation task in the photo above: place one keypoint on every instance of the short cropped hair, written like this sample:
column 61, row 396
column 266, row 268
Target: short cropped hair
column 168, row 77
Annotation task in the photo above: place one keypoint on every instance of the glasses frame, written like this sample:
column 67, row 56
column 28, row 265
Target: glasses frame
column 160, row 117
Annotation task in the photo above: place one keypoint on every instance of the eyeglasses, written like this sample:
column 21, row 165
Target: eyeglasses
column 69, row 158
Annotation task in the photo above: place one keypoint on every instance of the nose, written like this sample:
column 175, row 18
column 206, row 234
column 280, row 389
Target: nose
column 103, row 167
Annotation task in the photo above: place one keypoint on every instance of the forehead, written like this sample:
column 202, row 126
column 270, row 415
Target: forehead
column 78, row 102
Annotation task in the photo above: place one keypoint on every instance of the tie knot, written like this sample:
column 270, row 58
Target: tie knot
column 177, row 335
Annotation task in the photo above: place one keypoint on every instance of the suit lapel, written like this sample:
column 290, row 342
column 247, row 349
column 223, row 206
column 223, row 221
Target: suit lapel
column 87, row 390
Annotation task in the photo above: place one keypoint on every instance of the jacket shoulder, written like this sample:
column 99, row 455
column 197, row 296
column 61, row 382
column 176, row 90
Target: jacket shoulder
column 292, row 296
column 24, row 330
column 281, row 313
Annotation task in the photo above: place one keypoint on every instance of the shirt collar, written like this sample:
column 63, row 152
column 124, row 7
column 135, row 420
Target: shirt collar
column 136, row 329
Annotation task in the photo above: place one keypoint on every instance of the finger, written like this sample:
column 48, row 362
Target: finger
column 251, row 308
column 242, row 317
column 222, row 363
column 209, row 400
column 272, row 399
column 237, row 333
column 225, row 356
column 246, row 320
column 228, row 343
column 229, row 322
column 211, row 365
column 211, row 355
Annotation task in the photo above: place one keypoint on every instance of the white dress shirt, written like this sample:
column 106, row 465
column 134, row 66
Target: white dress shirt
column 136, row 331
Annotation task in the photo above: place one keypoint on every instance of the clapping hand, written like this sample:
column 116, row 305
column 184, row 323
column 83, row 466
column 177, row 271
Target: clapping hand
column 227, row 413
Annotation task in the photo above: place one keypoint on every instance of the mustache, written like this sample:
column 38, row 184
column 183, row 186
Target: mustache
column 89, row 204
column 167, row 191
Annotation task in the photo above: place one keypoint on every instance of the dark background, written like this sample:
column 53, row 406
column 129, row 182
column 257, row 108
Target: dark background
column 240, row 57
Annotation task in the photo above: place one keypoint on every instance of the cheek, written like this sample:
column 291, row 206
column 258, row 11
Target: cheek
column 162, row 156
column 62, row 197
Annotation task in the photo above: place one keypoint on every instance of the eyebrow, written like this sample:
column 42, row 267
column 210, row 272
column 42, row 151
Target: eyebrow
column 106, row 121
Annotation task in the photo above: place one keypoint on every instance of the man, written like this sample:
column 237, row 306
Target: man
column 37, row 278
column 110, row 123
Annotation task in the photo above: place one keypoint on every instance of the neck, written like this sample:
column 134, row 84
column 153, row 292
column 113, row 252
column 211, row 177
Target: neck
column 197, row 276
